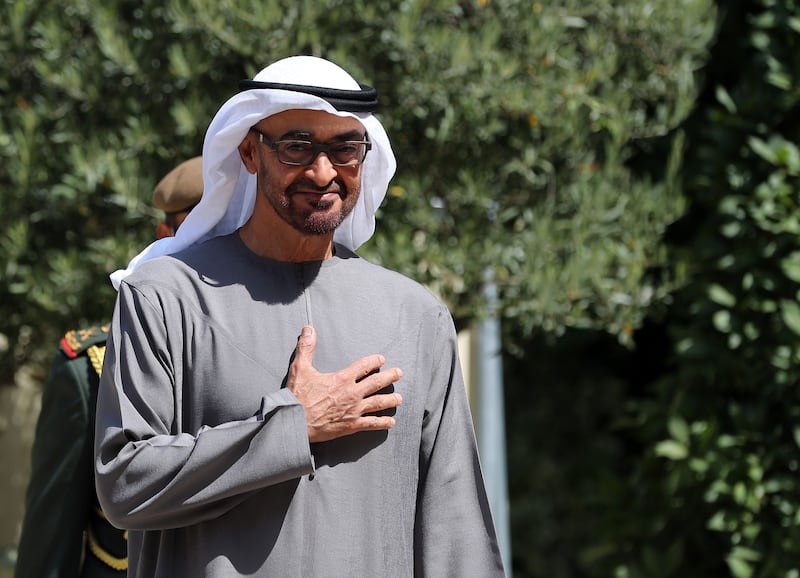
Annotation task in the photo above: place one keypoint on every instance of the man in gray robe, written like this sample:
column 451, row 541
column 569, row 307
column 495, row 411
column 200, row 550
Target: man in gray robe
column 271, row 404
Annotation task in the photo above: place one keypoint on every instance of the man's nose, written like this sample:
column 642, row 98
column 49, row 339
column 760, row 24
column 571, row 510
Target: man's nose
column 322, row 170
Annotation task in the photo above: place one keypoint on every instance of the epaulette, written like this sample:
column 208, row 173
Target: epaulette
column 77, row 341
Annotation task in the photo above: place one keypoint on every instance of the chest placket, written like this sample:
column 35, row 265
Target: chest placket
column 303, row 283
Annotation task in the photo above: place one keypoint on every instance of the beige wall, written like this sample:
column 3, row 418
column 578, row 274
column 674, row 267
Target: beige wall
column 19, row 409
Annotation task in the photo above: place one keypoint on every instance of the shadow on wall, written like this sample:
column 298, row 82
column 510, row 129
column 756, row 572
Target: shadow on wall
column 19, row 410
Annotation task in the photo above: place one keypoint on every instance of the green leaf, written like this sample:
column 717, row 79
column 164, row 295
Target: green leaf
column 671, row 450
column 678, row 429
column 724, row 98
column 790, row 313
column 720, row 295
column 722, row 321
column 762, row 149
column 744, row 553
column 739, row 568
column 790, row 265
column 739, row 561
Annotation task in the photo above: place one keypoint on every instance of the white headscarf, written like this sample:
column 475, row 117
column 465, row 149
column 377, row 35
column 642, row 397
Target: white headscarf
column 229, row 189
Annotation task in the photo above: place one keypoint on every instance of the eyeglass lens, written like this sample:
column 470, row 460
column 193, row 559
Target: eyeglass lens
column 304, row 152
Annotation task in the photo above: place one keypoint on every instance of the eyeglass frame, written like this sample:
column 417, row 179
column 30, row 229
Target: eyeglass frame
column 317, row 149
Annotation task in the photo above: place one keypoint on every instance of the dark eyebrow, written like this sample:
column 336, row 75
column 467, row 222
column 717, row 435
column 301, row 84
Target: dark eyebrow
column 351, row 135
column 295, row 134
column 305, row 135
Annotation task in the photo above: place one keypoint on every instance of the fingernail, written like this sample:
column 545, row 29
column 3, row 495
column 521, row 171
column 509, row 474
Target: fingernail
column 306, row 331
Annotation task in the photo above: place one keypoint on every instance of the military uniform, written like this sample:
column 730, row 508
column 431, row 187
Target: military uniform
column 64, row 532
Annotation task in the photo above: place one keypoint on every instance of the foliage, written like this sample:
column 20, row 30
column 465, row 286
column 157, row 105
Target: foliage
column 85, row 137
column 714, row 486
column 678, row 458
column 103, row 98
column 552, row 118
column 538, row 140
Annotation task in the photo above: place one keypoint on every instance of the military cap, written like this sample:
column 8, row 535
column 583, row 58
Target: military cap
column 181, row 188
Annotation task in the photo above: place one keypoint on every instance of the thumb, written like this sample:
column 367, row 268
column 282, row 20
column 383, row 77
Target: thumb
column 306, row 343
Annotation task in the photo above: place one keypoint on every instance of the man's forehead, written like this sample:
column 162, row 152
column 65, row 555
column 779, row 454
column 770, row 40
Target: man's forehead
column 311, row 121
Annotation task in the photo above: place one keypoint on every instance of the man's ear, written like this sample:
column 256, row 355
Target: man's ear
column 247, row 151
column 164, row 230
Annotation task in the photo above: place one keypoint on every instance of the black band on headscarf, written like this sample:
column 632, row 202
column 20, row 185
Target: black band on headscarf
column 364, row 100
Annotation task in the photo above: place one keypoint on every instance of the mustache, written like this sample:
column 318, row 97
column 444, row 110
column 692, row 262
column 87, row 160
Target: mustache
column 306, row 186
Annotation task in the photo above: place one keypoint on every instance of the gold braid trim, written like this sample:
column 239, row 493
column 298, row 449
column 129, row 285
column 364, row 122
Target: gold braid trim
column 105, row 557
column 102, row 515
column 96, row 354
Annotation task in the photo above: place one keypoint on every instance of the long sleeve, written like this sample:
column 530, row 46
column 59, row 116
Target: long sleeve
column 155, row 468
column 203, row 453
column 60, row 493
column 454, row 532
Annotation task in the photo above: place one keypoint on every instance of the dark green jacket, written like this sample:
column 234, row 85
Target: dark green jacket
column 64, row 533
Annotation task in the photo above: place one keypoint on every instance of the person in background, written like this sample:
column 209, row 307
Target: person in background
column 64, row 531
column 271, row 404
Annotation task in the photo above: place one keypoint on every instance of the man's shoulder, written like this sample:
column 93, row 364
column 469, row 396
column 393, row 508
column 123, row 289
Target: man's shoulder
column 77, row 342
column 166, row 269
column 392, row 283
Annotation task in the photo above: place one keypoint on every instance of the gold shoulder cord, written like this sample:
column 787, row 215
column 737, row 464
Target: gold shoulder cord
column 102, row 555
column 96, row 354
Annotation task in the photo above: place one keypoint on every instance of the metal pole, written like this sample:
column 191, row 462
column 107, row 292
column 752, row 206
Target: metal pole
column 491, row 419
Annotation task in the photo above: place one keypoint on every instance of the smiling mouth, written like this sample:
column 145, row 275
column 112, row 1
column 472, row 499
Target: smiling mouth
column 321, row 199
column 322, row 204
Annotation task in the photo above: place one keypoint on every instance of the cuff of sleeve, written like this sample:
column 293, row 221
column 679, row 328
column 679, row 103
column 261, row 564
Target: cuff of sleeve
column 293, row 419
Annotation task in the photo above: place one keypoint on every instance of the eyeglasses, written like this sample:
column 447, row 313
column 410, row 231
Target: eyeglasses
column 301, row 153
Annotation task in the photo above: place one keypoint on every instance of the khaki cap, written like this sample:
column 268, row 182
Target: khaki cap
column 181, row 188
